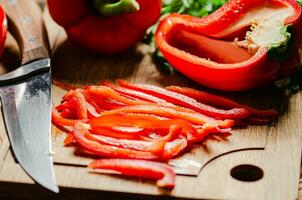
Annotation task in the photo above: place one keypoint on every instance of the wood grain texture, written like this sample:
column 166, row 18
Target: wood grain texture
column 276, row 148
column 27, row 26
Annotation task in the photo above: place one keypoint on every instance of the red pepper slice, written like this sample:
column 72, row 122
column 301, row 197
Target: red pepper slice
column 70, row 139
column 127, row 133
column 185, row 101
column 84, row 25
column 61, row 121
column 134, row 93
column 3, row 29
column 156, row 146
column 187, row 43
column 194, row 118
column 161, row 172
column 96, row 148
column 147, row 122
column 221, row 101
column 104, row 92
column 81, row 105
column 174, row 148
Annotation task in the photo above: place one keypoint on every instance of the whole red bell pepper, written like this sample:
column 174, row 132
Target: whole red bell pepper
column 104, row 27
column 3, row 29
column 219, row 51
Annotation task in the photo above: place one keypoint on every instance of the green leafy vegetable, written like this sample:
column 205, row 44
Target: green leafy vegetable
column 198, row 8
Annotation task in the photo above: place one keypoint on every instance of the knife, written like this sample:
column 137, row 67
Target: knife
column 26, row 93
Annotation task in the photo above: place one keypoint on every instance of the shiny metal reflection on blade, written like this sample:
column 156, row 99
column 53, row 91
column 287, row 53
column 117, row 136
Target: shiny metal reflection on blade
column 27, row 114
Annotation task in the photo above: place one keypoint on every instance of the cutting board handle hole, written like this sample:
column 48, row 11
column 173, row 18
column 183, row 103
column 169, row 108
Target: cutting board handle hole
column 247, row 173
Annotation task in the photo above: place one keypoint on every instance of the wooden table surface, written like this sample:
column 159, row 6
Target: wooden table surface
column 57, row 37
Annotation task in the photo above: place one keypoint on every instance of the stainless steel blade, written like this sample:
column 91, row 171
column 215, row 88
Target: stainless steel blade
column 27, row 113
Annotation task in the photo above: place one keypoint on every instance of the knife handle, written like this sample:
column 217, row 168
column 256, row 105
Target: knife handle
column 27, row 26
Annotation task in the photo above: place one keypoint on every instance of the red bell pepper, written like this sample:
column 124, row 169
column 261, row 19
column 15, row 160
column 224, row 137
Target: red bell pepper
column 185, row 101
column 218, row 51
column 105, row 26
column 3, row 29
column 161, row 172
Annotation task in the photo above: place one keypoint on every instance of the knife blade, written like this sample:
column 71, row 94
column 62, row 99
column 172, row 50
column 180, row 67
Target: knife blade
column 26, row 94
column 24, row 105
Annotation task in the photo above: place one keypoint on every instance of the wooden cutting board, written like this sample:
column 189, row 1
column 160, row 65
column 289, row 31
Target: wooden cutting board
column 258, row 162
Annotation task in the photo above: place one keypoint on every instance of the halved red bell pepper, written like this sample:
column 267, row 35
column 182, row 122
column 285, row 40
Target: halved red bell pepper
column 218, row 51
column 185, row 101
column 3, row 29
column 104, row 26
column 161, row 172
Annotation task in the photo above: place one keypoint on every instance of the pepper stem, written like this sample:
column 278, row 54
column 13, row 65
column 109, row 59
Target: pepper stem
column 107, row 8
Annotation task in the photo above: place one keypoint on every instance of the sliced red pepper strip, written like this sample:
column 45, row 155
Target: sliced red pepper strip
column 91, row 111
column 60, row 121
column 134, row 93
column 97, row 108
column 156, row 146
column 81, row 106
column 153, row 147
column 175, row 148
column 106, row 150
column 185, row 101
column 221, row 101
column 70, row 139
column 161, row 172
column 118, row 132
column 108, row 93
column 68, row 95
column 194, row 118
column 69, row 113
column 146, row 122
